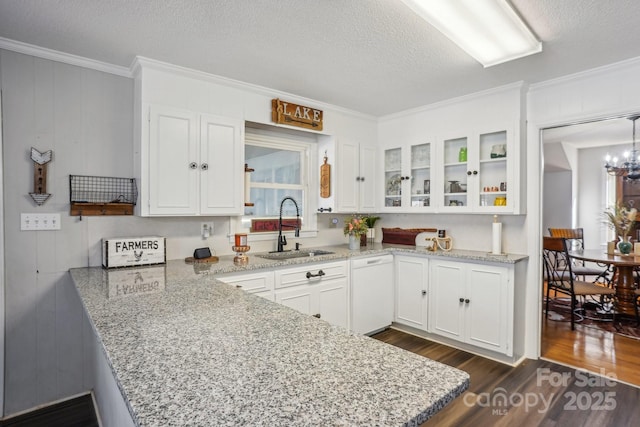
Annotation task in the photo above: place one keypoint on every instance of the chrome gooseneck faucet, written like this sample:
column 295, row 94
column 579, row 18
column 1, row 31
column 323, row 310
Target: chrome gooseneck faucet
column 282, row 240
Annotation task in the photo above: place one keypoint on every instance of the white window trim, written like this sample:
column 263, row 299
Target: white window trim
column 277, row 139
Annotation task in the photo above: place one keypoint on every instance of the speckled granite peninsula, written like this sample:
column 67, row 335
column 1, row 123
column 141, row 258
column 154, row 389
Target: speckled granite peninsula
column 195, row 351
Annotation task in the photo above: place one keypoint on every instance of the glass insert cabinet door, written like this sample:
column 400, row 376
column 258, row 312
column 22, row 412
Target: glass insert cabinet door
column 455, row 172
column 420, row 175
column 393, row 177
column 492, row 171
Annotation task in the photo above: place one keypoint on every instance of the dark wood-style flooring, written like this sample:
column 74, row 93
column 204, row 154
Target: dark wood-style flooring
column 76, row 412
column 535, row 393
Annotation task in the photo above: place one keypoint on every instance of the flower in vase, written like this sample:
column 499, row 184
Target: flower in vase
column 355, row 226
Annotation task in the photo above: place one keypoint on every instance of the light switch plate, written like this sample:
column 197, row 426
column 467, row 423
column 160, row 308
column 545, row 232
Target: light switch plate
column 39, row 221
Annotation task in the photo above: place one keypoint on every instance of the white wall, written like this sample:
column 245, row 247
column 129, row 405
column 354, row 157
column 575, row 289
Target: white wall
column 85, row 117
column 592, row 193
column 558, row 197
column 2, row 300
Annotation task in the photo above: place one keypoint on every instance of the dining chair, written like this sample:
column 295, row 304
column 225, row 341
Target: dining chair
column 559, row 275
column 575, row 241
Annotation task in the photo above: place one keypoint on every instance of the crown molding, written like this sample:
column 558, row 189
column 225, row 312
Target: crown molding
column 521, row 85
column 66, row 58
column 140, row 62
column 586, row 74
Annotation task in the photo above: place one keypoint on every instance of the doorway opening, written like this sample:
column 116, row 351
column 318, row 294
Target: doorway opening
column 576, row 190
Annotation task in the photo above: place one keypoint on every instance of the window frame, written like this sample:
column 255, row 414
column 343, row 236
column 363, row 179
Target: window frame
column 293, row 141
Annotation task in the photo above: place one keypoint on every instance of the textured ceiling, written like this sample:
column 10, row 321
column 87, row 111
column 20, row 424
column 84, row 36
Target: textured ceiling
column 372, row 56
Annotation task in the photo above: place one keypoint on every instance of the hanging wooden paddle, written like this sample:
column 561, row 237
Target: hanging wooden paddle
column 325, row 178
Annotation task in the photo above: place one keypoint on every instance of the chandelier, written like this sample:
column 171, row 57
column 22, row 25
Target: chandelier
column 630, row 168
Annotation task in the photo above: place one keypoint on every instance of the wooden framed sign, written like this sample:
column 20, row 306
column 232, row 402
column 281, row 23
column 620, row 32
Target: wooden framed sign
column 288, row 113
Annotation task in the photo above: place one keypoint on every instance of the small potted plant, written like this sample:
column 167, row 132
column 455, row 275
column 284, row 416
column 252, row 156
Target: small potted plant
column 371, row 223
column 354, row 227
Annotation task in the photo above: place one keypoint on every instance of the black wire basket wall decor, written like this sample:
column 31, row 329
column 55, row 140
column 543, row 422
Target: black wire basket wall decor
column 101, row 195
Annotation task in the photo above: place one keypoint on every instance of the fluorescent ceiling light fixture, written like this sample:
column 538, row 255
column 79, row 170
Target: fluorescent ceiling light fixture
column 489, row 30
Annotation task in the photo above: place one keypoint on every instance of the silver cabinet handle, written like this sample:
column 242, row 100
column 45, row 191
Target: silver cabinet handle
column 204, row 166
column 193, row 165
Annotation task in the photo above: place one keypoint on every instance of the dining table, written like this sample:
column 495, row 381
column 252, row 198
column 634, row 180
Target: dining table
column 623, row 280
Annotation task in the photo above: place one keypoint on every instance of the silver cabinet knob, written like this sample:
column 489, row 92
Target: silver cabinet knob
column 193, row 165
column 204, row 166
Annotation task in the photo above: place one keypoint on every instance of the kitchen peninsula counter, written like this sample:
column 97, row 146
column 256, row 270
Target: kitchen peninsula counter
column 195, row 351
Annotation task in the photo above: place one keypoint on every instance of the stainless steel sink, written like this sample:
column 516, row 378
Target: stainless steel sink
column 304, row 253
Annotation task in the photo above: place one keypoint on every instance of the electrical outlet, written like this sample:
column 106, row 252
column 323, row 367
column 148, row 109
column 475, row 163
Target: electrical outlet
column 206, row 229
column 39, row 221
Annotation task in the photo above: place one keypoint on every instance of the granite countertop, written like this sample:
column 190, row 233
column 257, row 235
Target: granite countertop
column 195, row 351
column 341, row 252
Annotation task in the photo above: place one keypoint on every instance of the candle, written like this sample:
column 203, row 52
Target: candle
column 241, row 240
column 496, row 247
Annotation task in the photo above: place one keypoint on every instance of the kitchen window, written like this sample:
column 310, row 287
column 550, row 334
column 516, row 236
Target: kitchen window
column 281, row 162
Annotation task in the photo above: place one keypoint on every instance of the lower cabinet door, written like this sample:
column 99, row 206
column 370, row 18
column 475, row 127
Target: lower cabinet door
column 300, row 298
column 326, row 300
column 448, row 280
column 486, row 317
column 411, row 291
column 332, row 302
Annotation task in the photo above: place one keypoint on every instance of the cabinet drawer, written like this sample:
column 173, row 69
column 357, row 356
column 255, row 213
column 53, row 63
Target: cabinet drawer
column 298, row 275
column 252, row 283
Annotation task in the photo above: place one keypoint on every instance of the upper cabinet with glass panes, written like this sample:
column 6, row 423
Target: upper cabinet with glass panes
column 477, row 171
column 408, row 175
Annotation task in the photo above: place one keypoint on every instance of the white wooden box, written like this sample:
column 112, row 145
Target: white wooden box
column 133, row 251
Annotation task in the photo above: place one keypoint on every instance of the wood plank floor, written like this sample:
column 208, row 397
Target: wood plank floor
column 537, row 392
column 76, row 412
column 591, row 349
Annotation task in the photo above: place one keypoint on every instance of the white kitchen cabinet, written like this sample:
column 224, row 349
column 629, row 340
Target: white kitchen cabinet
column 318, row 290
column 371, row 293
column 479, row 171
column 411, row 290
column 195, row 164
column 472, row 303
column 408, row 178
column 356, row 177
column 260, row 283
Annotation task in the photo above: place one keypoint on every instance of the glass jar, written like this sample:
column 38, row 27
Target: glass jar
column 462, row 155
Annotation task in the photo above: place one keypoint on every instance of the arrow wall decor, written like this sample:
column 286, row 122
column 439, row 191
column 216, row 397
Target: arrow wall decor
column 40, row 161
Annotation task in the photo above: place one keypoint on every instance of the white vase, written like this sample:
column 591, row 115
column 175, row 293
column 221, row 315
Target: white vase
column 371, row 235
column 354, row 242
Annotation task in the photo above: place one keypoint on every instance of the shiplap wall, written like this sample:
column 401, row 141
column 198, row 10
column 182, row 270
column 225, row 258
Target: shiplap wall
column 85, row 117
